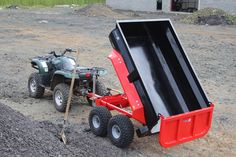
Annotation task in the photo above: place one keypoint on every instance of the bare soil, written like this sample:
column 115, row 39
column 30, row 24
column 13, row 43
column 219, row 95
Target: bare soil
column 25, row 33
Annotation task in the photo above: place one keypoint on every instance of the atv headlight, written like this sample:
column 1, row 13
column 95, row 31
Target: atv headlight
column 45, row 66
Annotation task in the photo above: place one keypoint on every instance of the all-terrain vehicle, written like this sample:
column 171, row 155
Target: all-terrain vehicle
column 54, row 72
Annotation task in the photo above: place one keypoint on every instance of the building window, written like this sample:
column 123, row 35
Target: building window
column 159, row 4
column 185, row 5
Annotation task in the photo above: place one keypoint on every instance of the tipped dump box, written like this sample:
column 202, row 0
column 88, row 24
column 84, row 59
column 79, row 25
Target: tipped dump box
column 159, row 69
column 159, row 83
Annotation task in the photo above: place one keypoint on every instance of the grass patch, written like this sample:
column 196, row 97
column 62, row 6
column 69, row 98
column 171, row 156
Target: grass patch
column 233, row 18
column 47, row 2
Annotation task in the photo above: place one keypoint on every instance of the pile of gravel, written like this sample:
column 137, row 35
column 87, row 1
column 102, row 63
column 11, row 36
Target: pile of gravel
column 20, row 136
column 99, row 10
column 210, row 16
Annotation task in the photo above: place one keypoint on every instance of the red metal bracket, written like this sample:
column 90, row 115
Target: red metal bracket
column 129, row 89
column 115, row 102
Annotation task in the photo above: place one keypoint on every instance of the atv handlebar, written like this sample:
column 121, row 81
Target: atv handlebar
column 63, row 53
column 68, row 50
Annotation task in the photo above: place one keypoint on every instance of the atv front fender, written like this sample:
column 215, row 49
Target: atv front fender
column 41, row 66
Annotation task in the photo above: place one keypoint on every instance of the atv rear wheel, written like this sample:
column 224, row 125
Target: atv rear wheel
column 34, row 87
column 60, row 96
column 100, row 90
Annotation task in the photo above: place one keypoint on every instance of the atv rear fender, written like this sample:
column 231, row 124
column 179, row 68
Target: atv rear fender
column 61, row 77
column 65, row 74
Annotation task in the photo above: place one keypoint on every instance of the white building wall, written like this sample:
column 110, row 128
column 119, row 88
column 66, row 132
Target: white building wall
column 134, row 5
column 166, row 5
column 150, row 5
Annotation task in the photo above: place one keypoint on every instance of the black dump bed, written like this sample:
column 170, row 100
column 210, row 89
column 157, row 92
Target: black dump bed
column 158, row 67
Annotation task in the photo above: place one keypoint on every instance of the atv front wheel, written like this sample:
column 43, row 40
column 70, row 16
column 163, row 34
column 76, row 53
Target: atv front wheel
column 34, row 87
column 60, row 96
column 100, row 90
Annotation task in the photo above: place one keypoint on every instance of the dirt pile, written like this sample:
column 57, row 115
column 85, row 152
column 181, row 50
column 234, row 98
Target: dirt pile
column 21, row 136
column 99, row 10
column 210, row 16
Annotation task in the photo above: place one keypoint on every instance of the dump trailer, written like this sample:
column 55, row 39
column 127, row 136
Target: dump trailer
column 161, row 89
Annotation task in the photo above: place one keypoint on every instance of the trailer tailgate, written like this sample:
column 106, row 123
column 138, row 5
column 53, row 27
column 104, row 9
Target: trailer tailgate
column 185, row 127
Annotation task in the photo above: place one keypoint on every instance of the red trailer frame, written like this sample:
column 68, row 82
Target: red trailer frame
column 174, row 129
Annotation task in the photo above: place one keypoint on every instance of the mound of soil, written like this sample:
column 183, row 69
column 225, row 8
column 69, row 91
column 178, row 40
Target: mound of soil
column 21, row 136
column 210, row 16
column 99, row 10
column 214, row 20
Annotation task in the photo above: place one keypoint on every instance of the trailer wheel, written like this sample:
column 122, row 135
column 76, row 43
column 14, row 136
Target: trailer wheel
column 60, row 96
column 98, row 120
column 34, row 87
column 120, row 131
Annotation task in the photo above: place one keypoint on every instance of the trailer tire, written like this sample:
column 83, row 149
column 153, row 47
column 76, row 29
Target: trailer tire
column 98, row 120
column 100, row 90
column 60, row 96
column 120, row 131
column 34, row 87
